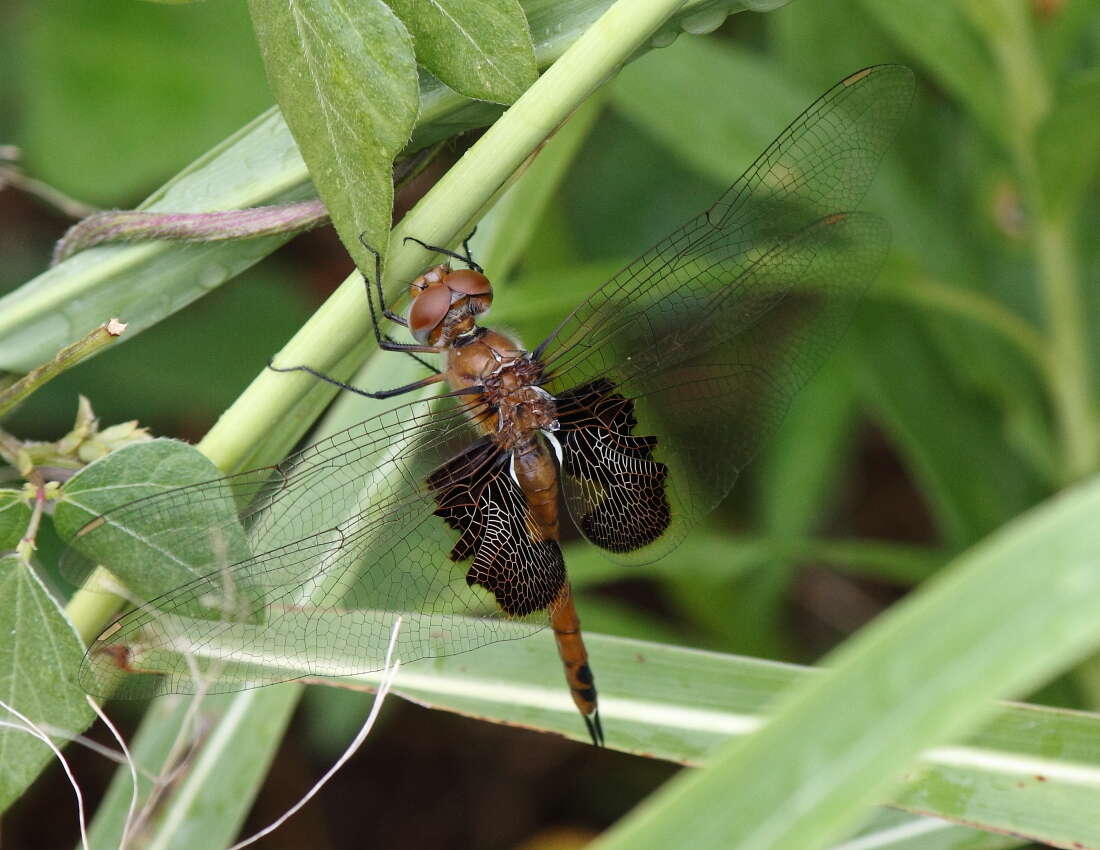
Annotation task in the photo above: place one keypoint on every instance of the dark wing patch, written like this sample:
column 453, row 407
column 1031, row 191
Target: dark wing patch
column 614, row 488
column 479, row 499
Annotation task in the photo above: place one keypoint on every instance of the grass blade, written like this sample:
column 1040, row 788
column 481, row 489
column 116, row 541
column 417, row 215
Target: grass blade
column 1006, row 615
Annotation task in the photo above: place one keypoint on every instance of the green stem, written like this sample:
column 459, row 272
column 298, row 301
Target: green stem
column 1072, row 379
column 1027, row 101
column 92, row 606
column 66, row 358
column 983, row 310
column 341, row 325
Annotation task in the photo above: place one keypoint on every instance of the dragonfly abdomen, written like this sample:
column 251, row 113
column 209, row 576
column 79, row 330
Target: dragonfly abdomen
column 574, row 658
column 537, row 476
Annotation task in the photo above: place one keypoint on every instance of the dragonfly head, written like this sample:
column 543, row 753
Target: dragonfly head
column 446, row 300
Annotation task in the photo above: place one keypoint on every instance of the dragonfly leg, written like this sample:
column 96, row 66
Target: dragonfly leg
column 582, row 684
column 595, row 728
column 385, row 342
column 389, row 314
column 447, row 252
column 419, row 360
column 415, row 385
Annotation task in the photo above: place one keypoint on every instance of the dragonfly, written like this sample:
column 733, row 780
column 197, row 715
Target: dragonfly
column 635, row 415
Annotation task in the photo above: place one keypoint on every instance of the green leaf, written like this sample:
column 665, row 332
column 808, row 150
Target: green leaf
column 257, row 165
column 972, row 480
column 1031, row 771
column 144, row 283
column 668, row 91
column 169, row 83
column 480, row 48
column 345, row 78
column 1007, row 615
column 39, row 657
column 941, row 38
column 210, row 802
column 892, row 830
column 148, row 553
column 1068, row 143
column 15, row 513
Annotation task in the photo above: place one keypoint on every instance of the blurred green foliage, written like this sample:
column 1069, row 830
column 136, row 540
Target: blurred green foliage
column 965, row 394
column 115, row 97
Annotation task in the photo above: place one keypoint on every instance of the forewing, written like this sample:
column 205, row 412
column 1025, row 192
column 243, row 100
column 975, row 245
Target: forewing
column 700, row 343
column 345, row 539
column 660, row 437
column 821, row 164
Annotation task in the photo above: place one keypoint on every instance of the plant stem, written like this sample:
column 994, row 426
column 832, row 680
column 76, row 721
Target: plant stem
column 1072, row 387
column 341, row 325
column 142, row 225
column 983, row 310
column 92, row 606
column 1027, row 101
column 66, row 358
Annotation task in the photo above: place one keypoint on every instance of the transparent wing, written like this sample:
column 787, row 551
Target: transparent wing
column 685, row 396
column 345, row 536
column 822, row 163
column 674, row 370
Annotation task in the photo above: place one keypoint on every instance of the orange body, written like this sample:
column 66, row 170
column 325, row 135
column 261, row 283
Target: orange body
column 517, row 414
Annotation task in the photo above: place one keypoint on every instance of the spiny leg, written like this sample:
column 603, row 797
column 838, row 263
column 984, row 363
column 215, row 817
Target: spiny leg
column 466, row 250
column 419, row 360
column 385, row 342
column 393, row 317
column 447, row 252
column 415, row 385
column 389, row 314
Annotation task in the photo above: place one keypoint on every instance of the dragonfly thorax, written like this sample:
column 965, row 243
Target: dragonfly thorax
column 522, row 415
column 513, row 407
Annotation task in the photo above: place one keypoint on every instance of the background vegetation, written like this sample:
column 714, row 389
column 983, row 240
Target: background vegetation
column 964, row 397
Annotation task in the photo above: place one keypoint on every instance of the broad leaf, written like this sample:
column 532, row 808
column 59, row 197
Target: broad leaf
column 150, row 553
column 480, row 48
column 1005, row 616
column 39, row 657
column 891, row 830
column 15, row 513
column 345, row 78
column 257, row 165
column 1031, row 770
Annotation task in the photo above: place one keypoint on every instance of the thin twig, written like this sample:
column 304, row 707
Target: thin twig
column 32, row 729
column 65, row 359
column 126, row 824
column 379, row 697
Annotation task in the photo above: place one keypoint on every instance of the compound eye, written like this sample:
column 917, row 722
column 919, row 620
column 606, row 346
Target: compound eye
column 428, row 310
column 469, row 282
